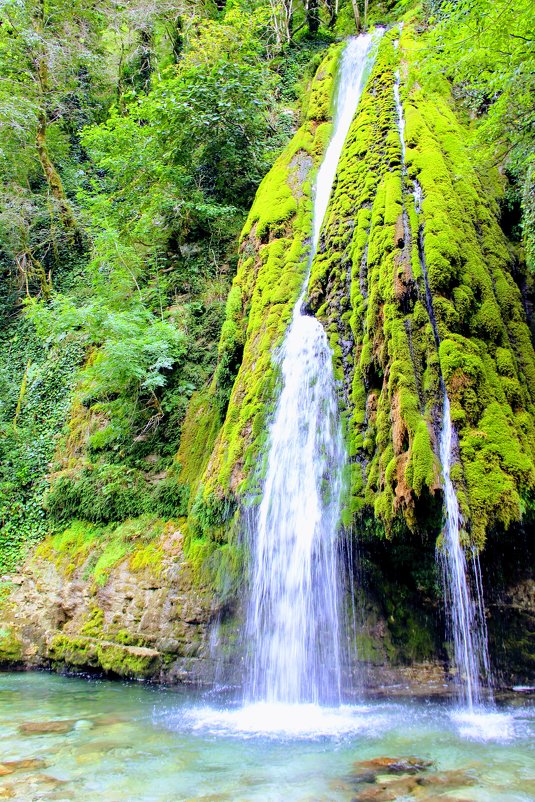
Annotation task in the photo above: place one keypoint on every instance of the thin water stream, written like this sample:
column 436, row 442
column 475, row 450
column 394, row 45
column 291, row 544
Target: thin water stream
column 293, row 623
column 465, row 611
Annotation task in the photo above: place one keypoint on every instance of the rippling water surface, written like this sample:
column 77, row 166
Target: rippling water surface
column 133, row 742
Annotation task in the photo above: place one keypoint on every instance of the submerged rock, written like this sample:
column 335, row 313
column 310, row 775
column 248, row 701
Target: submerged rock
column 442, row 798
column 380, row 788
column 456, row 778
column 363, row 776
column 25, row 764
column 387, row 791
column 47, row 727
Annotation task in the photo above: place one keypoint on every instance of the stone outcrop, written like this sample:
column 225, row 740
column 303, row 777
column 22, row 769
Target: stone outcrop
column 143, row 621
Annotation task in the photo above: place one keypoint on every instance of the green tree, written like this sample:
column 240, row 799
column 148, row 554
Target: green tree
column 487, row 49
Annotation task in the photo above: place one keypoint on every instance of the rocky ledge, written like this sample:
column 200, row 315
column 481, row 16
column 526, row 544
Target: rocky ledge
column 140, row 618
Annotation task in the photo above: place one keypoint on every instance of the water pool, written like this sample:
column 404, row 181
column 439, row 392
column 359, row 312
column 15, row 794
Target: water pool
column 118, row 741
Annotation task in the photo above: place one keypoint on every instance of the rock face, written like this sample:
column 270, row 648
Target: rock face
column 147, row 621
column 161, row 619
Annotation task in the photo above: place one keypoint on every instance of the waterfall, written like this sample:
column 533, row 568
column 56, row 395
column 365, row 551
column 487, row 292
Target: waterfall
column 465, row 614
column 293, row 622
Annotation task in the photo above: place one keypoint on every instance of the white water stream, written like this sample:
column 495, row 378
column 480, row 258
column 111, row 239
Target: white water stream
column 293, row 624
column 465, row 614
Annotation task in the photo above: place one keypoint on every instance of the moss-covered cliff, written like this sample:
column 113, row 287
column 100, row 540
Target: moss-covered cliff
column 416, row 285
column 274, row 254
column 394, row 338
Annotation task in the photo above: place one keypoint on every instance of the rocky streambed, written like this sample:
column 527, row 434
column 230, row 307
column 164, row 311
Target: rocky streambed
column 76, row 739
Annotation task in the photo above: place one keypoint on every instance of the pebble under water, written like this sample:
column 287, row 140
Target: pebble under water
column 76, row 739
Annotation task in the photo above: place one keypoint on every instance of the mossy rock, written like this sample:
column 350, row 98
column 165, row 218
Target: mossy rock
column 11, row 649
column 82, row 652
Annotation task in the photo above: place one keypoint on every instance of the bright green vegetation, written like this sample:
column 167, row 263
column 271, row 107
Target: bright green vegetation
column 368, row 286
column 486, row 49
column 274, row 251
column 382, row 335
column 98, row 549
column 139, row 328
column 135, row 142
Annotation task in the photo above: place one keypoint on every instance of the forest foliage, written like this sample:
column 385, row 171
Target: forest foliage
column 133, row 138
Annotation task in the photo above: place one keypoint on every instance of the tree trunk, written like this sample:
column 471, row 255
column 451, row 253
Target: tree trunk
column 146, row 57
column 53, row 178
column 313, row 16
column 332, row 10
column 356, row 12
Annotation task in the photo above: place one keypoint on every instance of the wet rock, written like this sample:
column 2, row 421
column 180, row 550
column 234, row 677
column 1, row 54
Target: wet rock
column 48, row 780
column 456, row 778
column 108, row 721
column 51, row 614
column 26, row 764
column 391, row 765
column 47, row 727
column 363, row 776
column 387, row 791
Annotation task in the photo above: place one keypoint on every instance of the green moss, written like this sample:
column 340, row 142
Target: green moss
column 380, row 261
column 130, row 662
column 148, row 557
column 199, row 432
column 373, row 235
column 422, row 469
column 94, row 624
column 100, row 493
column 10, row 646
column 497, row 469
column 273, row 260
column 95, row 551
column 364, row 241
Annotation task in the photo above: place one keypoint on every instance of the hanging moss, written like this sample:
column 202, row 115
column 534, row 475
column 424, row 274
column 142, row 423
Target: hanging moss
column 368, row 288
column 379, row 346
column 486, row 356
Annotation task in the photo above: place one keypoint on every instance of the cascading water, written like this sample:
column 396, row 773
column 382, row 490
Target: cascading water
column 466, row 616
column 293, row 618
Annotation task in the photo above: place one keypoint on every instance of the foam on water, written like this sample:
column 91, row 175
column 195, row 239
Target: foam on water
column 162, row 744
column 286, row 721
column 484, row 725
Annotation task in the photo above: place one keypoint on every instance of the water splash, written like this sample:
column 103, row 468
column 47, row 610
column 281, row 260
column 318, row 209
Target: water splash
column 465, row 612
column 293, row 617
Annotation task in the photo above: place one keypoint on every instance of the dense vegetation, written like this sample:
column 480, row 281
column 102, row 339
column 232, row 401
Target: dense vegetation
column 133, row 140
